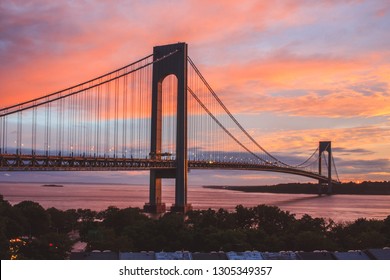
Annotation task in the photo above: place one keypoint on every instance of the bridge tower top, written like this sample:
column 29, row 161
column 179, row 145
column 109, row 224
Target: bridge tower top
column 325, row 146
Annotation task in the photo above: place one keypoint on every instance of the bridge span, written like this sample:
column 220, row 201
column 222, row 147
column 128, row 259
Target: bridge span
column 158, row 113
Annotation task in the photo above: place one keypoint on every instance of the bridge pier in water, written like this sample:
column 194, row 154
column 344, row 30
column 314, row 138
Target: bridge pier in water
column 325, row 146
column 175, row 64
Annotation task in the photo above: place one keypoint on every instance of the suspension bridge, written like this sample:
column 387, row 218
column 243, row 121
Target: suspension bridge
column 159, row 114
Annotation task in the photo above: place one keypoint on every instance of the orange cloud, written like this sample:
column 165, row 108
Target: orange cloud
column 329, row 86
column 46, row 54
column 371, row 138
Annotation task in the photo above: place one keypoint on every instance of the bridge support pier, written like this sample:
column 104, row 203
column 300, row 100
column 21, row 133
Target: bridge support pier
column 325, row 146
column 174, row 64
column 155, row 204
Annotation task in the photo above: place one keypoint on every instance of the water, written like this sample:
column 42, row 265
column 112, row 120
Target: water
column 99, row 197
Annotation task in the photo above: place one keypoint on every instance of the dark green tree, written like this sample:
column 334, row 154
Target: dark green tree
column 37, row 221
column 245, row 217
column 4, row 241
column 272, row 220
column 118, row 219
column 62, row 221
column 48, row 246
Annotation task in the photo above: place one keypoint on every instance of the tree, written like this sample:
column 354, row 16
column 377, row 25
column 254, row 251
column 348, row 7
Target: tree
column 245, row 217
column 312, row 240
column 118, row 219
column 386, row 230
column 12, row 219
column 86, row 215
column 48, row 246
column 171, row 229
column 307, row 223
column 62, row 221
column 271, row 219
column 360, row 234
column 202, row 218
column 4, row 241
column 37, row 220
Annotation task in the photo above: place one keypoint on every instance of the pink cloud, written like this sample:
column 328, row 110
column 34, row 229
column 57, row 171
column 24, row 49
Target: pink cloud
column 329, row 86
column 52, row 45
column 371, row 138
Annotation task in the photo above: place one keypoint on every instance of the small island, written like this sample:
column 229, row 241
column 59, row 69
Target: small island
column 363, row 188
column 52, row 186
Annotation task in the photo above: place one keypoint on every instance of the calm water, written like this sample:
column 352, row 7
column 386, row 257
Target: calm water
column 99, row 197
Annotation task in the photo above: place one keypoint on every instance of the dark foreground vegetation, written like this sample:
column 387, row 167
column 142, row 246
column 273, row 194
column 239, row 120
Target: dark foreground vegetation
column 363, row 188
column 28, row 231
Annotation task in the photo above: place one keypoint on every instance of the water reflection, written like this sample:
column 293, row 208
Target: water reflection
column 99, row 197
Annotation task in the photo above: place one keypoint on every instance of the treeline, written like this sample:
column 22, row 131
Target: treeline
column 28, row 231
column 363, row 188
column 263, row 228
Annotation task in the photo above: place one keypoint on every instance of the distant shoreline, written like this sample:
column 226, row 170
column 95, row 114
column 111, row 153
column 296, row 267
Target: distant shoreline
column 365, row 188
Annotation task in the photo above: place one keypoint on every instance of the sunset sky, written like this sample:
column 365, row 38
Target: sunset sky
column 292, row 72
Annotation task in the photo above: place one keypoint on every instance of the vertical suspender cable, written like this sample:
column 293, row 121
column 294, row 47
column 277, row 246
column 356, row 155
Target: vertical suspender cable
column 107, row 96
column 140, row 108
column 124, row 127
column 19, row 133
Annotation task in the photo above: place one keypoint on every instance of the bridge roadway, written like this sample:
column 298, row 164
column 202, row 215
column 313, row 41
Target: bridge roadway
column 13, row 162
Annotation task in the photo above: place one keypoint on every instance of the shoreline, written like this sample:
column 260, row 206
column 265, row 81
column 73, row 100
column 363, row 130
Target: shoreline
column 365, row 188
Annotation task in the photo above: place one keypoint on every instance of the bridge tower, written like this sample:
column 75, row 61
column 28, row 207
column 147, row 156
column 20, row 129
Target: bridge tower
column 325, row 146
column 175, row 64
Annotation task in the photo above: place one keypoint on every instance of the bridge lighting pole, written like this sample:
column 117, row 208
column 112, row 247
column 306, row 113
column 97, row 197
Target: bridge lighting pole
column 325, row 146
column 176, row 64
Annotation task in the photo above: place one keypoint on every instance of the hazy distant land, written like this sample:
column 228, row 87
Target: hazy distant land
column 364, row 188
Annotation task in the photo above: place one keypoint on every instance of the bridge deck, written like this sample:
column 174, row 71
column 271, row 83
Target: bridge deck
column 11, row 162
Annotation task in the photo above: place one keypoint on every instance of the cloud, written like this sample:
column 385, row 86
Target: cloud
column 374, row 170
column 370, row 137
column 43, row 52
column 376, row 165
column 330, row 87
column 346, row 151
column 47, row 39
